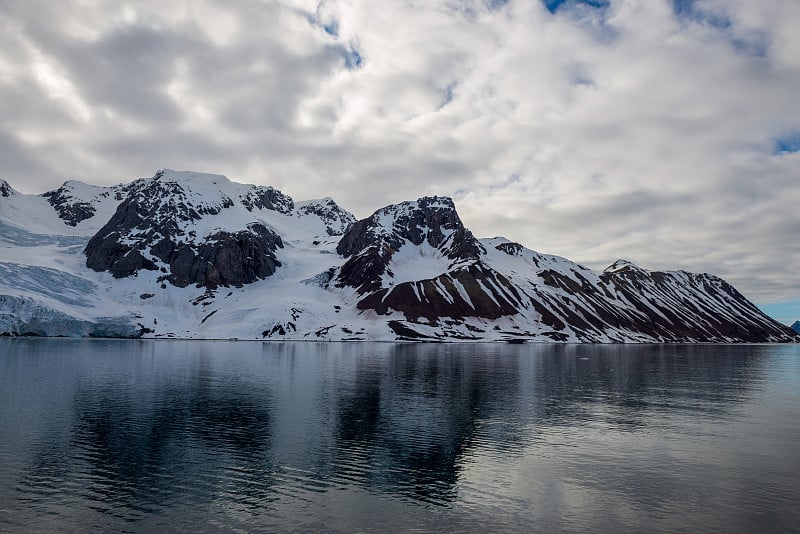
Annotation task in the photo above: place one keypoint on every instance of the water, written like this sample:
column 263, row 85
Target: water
column 141, row 436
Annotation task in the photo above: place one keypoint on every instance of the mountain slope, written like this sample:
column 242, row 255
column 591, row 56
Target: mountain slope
column 196, row 255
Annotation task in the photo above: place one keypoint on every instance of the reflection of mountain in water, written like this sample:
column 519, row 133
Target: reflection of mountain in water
column 146, row 442
column 412, row 417
column 406, row 424
column 247, row 432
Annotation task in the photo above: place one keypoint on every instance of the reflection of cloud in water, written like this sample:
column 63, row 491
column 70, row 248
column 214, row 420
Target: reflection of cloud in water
column 341, row 437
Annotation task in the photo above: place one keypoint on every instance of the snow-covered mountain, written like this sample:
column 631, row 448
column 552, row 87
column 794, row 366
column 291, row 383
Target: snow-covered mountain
column 796, row 326
column 195, row 255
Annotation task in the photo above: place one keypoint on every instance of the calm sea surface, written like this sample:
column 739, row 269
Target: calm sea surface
column 163, row 436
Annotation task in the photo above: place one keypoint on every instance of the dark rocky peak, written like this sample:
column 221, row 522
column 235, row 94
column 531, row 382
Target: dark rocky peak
column 5, row 189
column 267, row 198
column 154, row 228
column 429, row 219
column 371, row 244
column 624, row 266
column 336, row 219
column 169, row 200
column 76, row 201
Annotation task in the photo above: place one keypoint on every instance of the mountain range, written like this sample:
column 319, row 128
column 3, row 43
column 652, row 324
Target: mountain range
column 192, row 255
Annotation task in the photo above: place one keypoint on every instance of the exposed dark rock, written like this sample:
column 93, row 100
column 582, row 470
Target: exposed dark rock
column 151, row 221
column 70, row 210
column 438, row 297
column 404, row 332
column 364, row 271
column 260, row 197
column 510, row 248
column 322, row 279
column 5, row 189
column 224, row 259
column 681, row 306
column 431, row 219
column 121, row 260
column 370, row 243
column 337, row 220
column 207, row 317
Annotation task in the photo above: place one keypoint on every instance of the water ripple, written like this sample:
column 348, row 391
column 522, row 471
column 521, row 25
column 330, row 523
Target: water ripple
column 227, row 437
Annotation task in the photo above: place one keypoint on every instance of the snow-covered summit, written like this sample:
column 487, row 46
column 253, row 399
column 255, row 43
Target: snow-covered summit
column 433, row 220
column 76, row 201
column 191, row 177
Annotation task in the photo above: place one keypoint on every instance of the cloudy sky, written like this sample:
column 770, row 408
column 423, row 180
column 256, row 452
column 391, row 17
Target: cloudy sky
column 662, row 131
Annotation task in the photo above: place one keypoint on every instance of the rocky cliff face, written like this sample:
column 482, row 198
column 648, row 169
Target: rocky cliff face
column 337, row 221
column 153, row 229
column 267, row 198
column 75, row 202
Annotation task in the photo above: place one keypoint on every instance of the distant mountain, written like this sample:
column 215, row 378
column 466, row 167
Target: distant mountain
column 194, row 255
column 796, row 326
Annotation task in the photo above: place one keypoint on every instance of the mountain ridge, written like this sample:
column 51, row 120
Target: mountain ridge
column 196, row 255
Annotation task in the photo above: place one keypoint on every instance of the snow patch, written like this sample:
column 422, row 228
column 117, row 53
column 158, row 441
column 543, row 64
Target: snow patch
column 413, row 263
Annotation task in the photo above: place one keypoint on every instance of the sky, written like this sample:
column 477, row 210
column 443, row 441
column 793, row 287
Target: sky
column 666, row 132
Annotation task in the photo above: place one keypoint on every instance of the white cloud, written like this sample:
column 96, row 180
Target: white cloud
column 626, row 131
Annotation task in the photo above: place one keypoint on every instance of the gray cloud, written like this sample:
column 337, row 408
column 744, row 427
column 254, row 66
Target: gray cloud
column 633, row 130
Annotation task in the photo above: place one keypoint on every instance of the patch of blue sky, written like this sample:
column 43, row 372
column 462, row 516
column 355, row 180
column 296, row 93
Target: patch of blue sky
column 554, row 5
column 751, row 44
column 784, row 312
column 687, row 10
column 496, row 4
column 755, row 46
column 332, row 28
column 353, row 59
column 788, row 144
column 447, row 95
column 510, row 180
column 683, row 7
column 593, row 14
